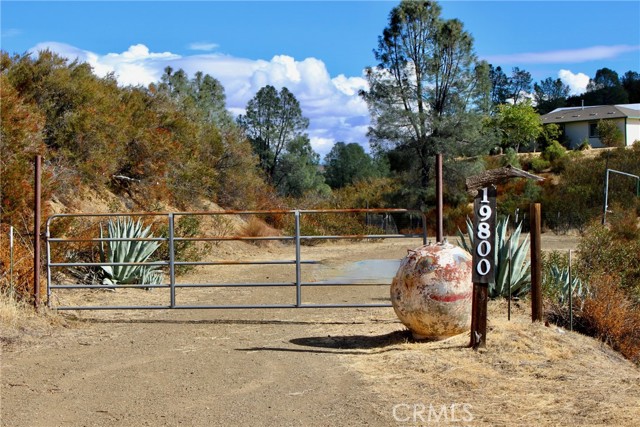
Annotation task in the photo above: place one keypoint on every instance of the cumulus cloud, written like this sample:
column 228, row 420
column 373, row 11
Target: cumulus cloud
column 135, row 66
column 576, row 82
column 593, row 53
column 335, row 111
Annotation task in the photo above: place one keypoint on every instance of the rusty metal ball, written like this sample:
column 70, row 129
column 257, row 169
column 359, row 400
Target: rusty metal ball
column 431, row 292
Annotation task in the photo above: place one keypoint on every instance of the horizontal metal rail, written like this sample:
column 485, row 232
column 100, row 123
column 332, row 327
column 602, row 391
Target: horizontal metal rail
column 171, row 263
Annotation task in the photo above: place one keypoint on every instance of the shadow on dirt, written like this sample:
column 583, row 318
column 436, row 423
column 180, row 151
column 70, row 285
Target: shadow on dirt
column 347, row 344
column 363, row 342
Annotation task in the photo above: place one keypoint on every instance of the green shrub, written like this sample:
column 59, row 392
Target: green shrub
column 584, row 145
column 613, row 252
column 609, row 133
column 554, row 152
column 539, row 164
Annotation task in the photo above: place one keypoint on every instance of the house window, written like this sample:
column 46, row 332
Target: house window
column 593, row 130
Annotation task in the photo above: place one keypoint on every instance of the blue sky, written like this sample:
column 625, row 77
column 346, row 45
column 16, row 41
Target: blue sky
column 317, row 49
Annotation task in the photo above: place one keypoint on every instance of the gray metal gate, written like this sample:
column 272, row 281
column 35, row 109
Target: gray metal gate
column 416, row 220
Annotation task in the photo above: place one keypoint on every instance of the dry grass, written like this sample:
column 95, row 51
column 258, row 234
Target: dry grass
column 528, row 375
column 20, row 323
column 255, row 227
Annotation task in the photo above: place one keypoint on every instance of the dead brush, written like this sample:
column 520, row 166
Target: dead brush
column 255, row 227
column 612, row 317
column 16, row 279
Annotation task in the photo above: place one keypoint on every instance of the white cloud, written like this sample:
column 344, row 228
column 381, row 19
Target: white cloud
column 335, row 111
column 350, row 85
column 593, row 53
column 576, row 82
column 10, row 32
column 204, row 46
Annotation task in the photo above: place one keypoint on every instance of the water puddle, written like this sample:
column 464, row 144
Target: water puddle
column 366, row 271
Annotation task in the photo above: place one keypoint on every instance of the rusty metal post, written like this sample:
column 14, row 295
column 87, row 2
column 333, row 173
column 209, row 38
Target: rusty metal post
column 570, row 295
column 37, row 213
column 439, row 209
column 536, row 263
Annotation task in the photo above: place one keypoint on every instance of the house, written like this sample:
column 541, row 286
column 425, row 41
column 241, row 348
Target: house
column 579, row 123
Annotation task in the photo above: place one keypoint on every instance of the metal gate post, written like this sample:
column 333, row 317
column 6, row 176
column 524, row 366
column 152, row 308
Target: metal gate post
column 298, row 270
column 172, row 270
column 48, row 246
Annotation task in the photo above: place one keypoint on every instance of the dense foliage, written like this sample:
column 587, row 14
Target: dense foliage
column 173, row 143
column 347, row 164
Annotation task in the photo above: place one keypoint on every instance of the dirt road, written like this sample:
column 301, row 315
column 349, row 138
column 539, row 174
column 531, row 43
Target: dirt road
column 306, row 367
column 205, row 367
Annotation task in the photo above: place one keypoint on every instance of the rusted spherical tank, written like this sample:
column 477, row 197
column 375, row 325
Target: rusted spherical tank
column 432, row 290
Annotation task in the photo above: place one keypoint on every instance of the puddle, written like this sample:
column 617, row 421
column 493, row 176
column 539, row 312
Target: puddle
column 367, row 271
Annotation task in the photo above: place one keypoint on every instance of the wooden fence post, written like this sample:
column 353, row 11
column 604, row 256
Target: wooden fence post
column 536, row 263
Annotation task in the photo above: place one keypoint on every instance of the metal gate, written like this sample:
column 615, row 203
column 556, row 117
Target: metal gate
column 413, row 220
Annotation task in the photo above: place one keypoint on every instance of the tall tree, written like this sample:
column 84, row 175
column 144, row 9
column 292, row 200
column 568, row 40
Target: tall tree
column 202, row 97
column 275, row 127
column 519, row 84
column 348, row 163
column 604, row 78
column 299, row 171
column 604, row 89
column 550, row 94
column 631, row 84
column 499, row 85
column 423, row 94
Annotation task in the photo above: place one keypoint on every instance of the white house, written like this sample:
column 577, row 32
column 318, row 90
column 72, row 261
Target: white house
column 579, row 123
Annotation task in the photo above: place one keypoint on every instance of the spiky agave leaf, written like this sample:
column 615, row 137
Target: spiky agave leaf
column 517, row 260
column 462, row 241
column 520, row 275
column 575, row 285
column 129, row 250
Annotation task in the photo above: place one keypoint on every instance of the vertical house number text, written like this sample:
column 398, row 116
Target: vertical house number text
column 484, row 225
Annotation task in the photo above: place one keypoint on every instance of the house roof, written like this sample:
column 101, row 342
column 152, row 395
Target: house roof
column 592, row 113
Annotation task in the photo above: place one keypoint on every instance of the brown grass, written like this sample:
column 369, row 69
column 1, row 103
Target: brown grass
column 20, row 323
column 255, row 227
column 527, row 375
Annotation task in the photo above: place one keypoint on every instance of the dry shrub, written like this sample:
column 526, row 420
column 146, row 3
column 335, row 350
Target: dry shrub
column 17, row 284
column 609, row 263
column 612, row 317
column 79, row 228
column 612, row 251
column 255, row 227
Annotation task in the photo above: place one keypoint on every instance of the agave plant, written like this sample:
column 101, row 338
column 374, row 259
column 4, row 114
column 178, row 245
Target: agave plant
column 560, row 278
column 129, row 251
column 504, row 257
